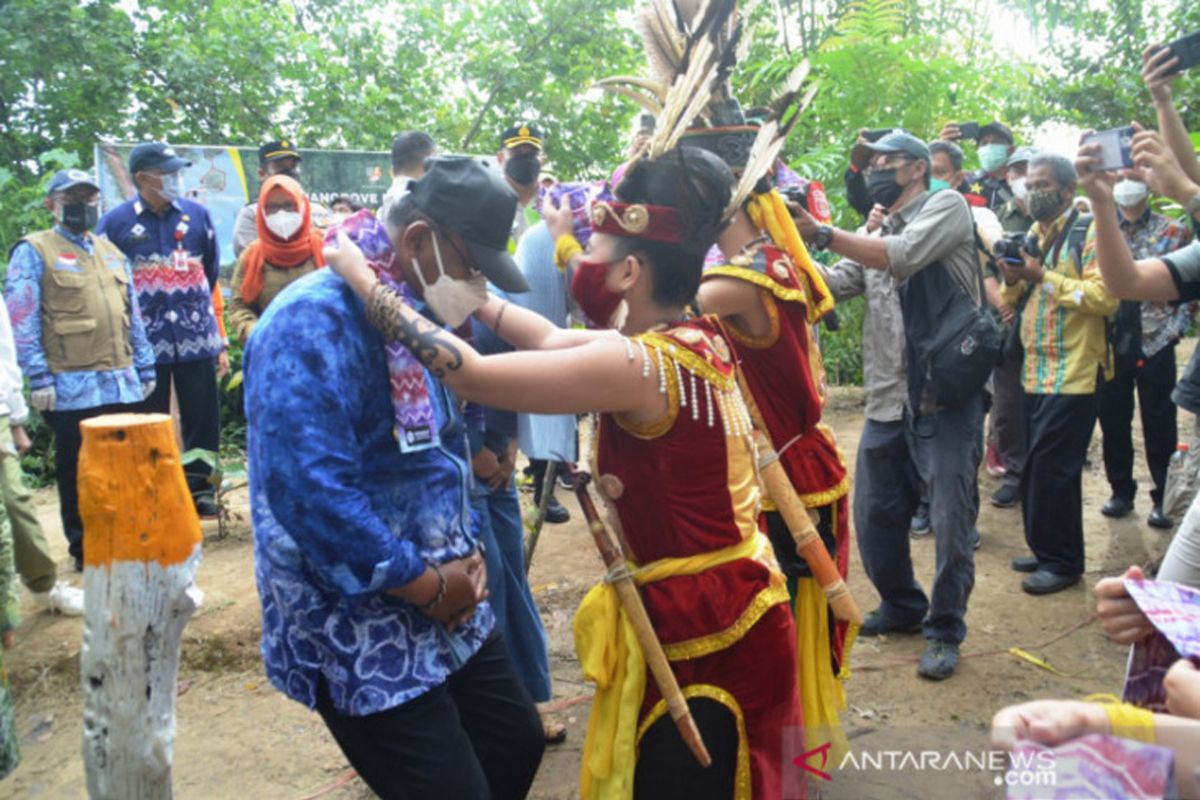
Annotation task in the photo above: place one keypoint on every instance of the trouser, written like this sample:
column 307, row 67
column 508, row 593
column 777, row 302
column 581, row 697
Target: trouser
column 30, row 551
column 1154, row 378
column 199, row 413
column 1008, row 421
column 666, row 768
column 478, row 735
column 1058, row 428
column 67, row 441
column 887, row 491
column 517, row 620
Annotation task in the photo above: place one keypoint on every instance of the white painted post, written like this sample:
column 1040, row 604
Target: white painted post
column 141, row 550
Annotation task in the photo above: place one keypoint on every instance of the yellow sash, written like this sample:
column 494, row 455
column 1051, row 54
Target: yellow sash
column 609, row 653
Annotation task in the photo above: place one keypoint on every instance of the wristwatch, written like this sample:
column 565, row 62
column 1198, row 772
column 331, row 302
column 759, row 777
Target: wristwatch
column 823, row 238
column 1193, row 205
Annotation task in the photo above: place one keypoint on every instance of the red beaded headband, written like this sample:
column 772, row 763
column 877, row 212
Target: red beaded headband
column 637, row 221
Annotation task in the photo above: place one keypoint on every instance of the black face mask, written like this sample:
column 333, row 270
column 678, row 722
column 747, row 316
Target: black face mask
column 523, row 168
column 883, row 188
column 79, row 217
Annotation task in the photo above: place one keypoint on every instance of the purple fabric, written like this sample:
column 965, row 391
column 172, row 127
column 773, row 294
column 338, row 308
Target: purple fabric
column 1092, row 766
column 1174, row 611
column 580, row 195
column 416, row 428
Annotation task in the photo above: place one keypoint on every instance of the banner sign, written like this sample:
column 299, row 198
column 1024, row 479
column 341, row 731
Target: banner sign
column 225, row 179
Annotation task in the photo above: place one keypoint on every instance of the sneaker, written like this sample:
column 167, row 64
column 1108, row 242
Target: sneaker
column 1005, row 497
column 939, row 661
column 919, row 525
column 556, row 512
column 995, row 467
column 61, row 599
column 876, row 624
column 207, row 507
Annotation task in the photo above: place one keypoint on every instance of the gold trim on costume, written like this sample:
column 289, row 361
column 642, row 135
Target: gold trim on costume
column 828, row 496
column 711, row 643
column 657, row 427
column 759, row 279
column 635, row 220
column 742, row 785
column 772, row 335
column 696, row 363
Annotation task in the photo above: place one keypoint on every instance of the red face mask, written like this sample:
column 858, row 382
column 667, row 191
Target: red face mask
column 594, row 298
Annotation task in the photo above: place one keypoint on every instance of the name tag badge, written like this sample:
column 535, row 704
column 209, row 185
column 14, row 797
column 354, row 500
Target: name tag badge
column 179, row 259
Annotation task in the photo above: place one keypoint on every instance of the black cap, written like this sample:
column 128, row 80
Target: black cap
column 155, row 155
column 280, row 148
column 894, row 142
column 997, row 129
column 66, row 179
column 475, row 202
column 521, row 133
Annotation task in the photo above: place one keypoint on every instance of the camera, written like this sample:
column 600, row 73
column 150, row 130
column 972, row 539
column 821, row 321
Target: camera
column 811, row 197
column 1013, row 245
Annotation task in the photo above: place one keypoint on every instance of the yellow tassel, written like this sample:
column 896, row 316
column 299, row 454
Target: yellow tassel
column 822, row 695
column 769, row 213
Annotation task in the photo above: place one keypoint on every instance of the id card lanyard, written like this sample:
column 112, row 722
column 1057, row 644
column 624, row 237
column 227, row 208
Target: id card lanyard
column 179, row 256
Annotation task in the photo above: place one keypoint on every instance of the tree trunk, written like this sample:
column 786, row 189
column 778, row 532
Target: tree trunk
column 141, row 550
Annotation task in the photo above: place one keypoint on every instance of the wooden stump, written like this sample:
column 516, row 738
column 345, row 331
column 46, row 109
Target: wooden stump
column 141, row 549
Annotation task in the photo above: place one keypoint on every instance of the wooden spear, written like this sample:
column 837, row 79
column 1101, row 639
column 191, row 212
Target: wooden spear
column 631, row 602
column 535, row 533
column 778, row 487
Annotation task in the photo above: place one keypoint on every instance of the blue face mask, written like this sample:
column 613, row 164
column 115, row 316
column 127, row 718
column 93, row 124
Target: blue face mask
column 937, row 185
column 993, row 156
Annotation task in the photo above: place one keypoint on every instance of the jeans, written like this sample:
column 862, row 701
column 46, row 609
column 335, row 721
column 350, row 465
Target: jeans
column 503, row 535
column 478, row 735
column 887, row 492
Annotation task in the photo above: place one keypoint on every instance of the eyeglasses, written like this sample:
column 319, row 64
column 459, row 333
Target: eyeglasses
column 467, row 262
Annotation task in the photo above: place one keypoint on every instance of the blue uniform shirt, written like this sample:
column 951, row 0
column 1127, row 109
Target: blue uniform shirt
column 175, row 267
column 340, row 514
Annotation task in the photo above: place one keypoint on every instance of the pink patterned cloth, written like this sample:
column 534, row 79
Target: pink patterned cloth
column 1174, row 611
column 416, row 428
column 580, row 196
column 1092, row 766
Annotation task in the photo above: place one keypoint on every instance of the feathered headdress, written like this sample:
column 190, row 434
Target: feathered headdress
column 691, row 48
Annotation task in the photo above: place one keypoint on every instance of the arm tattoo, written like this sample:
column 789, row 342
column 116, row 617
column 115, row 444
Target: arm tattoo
column 431, row 345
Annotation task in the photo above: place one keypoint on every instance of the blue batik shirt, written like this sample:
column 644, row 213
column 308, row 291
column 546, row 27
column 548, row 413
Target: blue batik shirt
column 76, row 389
column 340, row 514
column 175, row 267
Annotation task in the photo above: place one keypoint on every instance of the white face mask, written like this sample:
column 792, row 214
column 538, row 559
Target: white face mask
column 172, row 187
column 453, row 301
column 1129, row 194
column 1018, row 189
column 284, row 224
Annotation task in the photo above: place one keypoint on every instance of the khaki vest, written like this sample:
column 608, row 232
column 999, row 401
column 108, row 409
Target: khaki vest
column 85, row 306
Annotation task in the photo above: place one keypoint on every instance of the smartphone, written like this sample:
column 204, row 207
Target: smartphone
column 877, row 134
column 1115, row 148
column 969, row 130
column 1188, row 51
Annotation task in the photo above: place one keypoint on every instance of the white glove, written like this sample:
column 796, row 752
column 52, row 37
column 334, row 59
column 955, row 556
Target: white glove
column 43, row 399
column 148, row 388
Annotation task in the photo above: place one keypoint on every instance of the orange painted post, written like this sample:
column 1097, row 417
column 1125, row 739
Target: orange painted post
column 141, row 546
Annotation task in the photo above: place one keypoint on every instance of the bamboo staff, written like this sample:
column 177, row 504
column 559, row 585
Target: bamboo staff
column 778, row 487
column 631, row 602
column 548, row 478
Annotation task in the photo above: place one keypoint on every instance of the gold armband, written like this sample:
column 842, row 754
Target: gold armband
column 566, row 248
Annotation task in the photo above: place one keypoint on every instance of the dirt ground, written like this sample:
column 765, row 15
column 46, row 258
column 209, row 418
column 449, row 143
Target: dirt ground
column 239, row 737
